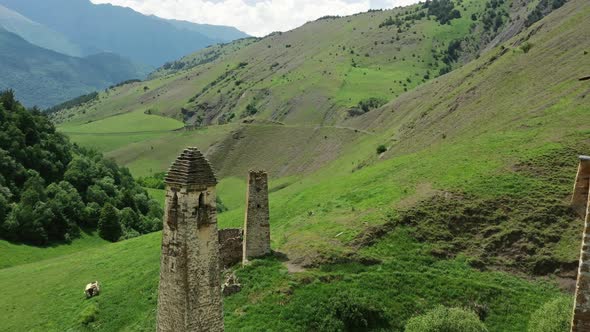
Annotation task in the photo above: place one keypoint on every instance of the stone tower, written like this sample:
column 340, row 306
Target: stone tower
column 189, row 295
column 581, row 320
column 256, row 224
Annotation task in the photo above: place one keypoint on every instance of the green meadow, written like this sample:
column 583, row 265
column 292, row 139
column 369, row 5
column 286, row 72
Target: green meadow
column 477, row 170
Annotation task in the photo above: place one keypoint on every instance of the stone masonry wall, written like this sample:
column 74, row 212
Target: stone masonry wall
column 581, row 319
column 230, row 246
column 256, row 224
column 189, row 294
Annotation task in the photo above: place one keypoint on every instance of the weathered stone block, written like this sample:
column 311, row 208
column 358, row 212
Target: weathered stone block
column 230, row 246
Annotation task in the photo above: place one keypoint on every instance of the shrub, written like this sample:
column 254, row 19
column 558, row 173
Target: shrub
column 366, row 105
column 155, row 181
column 251, row 110
column 526, row 47
column 553, row 316
column 220, row 207
column 109, row 227
column 88, row 315
column 442, row 319
column 381, row 149
column 347, row 312
column 443, row 10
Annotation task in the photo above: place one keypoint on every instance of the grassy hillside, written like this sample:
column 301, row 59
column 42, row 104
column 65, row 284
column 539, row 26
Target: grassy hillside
column 290, row 82
column 468, row 207
column 311, row 75
column 469, row 132
column 129, row 275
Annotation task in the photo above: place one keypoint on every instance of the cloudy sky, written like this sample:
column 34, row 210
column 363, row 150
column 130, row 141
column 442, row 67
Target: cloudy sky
column 255, row 17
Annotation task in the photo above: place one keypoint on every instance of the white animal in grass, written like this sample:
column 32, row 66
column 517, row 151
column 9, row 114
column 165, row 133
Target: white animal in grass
column 92, row 289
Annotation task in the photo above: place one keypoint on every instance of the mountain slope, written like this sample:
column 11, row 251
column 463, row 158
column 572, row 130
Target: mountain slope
column 479, row 126
column 215, row 32
column 44, row 78
column 320, row 73
column 476, row 179
column 36, row 33
column 107, row 28
column 326, row 73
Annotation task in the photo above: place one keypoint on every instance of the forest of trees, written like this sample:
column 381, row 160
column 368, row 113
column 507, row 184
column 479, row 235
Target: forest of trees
column 51, row 189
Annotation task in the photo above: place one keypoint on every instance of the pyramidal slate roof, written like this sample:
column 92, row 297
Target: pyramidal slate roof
column 191, row 167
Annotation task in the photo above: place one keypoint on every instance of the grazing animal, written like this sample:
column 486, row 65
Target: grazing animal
column 92, row 289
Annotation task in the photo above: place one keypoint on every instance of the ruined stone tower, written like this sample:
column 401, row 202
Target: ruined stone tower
column 581, row 319
column 189, row 295
column 256, row 224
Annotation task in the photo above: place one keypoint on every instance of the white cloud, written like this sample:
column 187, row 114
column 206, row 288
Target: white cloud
column 255, row 17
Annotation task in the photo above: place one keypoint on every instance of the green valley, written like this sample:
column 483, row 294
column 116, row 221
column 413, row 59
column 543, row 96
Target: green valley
column 417, row 157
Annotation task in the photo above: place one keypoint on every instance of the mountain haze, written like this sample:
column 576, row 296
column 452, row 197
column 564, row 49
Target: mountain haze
column 37, row 34
column 44, row 78
column 106, row 28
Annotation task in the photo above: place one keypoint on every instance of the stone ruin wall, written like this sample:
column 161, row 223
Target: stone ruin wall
column 230, row 246
column 256, row 224
column 580, row 202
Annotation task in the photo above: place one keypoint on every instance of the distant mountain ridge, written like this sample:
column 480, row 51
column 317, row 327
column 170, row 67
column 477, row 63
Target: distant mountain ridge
column 107, row 28
column 36, row 33
column 44, row 78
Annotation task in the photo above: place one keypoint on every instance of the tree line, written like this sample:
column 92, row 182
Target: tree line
column 51, row 189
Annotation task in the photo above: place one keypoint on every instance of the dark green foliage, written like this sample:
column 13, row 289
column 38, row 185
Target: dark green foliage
column 92, row 213
column 453, row 51
column 155, row 181
column 220, row 206
column 553, row 316
column 371, row 103
column 381, row 149
column 443, row 10
column 347, row 311
column 526, row 47
column 49, row 188
column 109, row 226
column 493, row 16
column 444, row 70
column 125, row 82
column 132, row 223
column 390, row 21
column 443, row 319
column 367, row 105
column 4, row 208
column 83, row 99
column 543, row 8
column 67, row 209
column 251, row 110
